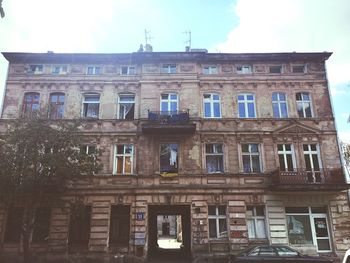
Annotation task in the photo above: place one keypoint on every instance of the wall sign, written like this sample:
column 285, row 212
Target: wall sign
column 140, row 216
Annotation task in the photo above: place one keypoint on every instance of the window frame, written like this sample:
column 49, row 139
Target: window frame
column 255, row 218
column 215, row 154
column 96, row 70
column 285, row 152
column 303, row 66
column 33, row 101
column 124, row 157
column 210, row 70
column 279, row 103
column 245, row 69
column 35, row 71
column 250, row 154
column 119, row 218
column 217, row 218
column 273, row 67
column 161, row 171
column 58, row 104
column 130, row 70
column 211, row 102
column 169, row 101
column 169, row 68
column 123, row 116
column 62, row 69
column 303, row 103
column 85, row 102
column 245, row 102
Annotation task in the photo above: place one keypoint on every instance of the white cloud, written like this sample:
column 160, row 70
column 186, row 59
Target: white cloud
column 294, row 25
column 344, row 136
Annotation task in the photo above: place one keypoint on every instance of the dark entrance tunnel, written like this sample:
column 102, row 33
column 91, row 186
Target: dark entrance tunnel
column 154, row 251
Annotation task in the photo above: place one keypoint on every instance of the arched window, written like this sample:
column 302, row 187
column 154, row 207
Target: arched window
column 30, row 103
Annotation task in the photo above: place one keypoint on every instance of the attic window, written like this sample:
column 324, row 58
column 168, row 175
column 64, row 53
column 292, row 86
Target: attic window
column 275, row 69
column 298, row 69
column 245, row 69
column 35, row 69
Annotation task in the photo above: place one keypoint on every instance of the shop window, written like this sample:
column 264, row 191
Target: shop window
column 119, row 225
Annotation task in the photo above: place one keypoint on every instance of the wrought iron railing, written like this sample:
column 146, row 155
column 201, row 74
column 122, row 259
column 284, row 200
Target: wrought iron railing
column 169, row 117
column 304, row 176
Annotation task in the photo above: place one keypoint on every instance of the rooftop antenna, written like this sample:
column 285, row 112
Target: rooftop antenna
column 148, row 46
column 188, row 41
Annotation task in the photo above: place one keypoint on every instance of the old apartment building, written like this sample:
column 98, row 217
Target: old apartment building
column 235, row 149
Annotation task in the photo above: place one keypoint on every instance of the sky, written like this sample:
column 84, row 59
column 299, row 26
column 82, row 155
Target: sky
column 118, row 26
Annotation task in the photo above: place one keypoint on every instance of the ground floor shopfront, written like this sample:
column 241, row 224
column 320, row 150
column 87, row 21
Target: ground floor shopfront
column 207, row 224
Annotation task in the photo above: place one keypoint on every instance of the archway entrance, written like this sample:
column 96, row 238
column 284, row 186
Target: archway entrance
column 169, row 231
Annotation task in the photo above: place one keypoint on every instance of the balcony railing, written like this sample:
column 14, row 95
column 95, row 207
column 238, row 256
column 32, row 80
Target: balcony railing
column 167, row 122
column 303, row 177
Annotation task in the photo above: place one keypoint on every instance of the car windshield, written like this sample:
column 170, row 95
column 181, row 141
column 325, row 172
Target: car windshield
column 245, row 251
column 286, row 252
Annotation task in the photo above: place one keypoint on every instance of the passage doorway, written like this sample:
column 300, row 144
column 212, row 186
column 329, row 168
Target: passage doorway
column 169, row 231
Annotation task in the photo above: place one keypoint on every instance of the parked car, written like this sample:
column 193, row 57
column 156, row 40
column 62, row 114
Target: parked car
column 346, row 258
column 275, row 254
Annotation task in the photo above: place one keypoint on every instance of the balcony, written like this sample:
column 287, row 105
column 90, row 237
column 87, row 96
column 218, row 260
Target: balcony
column 168, row 122
column 301, row 179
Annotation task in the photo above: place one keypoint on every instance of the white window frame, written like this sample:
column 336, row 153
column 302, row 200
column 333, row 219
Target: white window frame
column 169, row 100
column 217, row 218
column 285, row 152
column 130, row 70
column 87, row 148
column 62, row 69
column 211, row 101
column 210, row 70
column 279, row 104
column 96, row 70
column 310, row 153
column 245, row 101
column 91, row 102
column 244, row 69
column 303, row 103
column 255, row 218
column 124, row 102
column 215, row 153
column 124, row 156
column 168, row 69
column 250, row 154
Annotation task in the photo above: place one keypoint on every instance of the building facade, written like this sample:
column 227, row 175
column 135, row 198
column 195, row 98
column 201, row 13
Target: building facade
column 241, row 147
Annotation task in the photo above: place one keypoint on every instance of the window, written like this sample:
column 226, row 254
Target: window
column 212, row 105
column 251, row 158
column 275, row 69
column 35, row 69
column 304, row 105
column 246, row 106
column 30, row 103
column 128, row 70
column 286, row 157
column 41, row 226
column 56, row 107
column 14, row 225
column 123, row 159
column 168, row 103
column 168, row 158
column 279, row 105
column 217, row 221
column 298, row 69
column 120, row 225
column 79, row 226
column 214, row 158
column 59, row 69
column 312, row 163
column 245, row 69
column 126, row 106
column 93, row 70
column 91, row 105
column 256, row 222
column 210, row 70
column 308, row 225
column 168, row 68
column 88, row 149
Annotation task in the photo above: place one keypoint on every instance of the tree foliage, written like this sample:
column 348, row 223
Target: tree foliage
column 37, row 157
